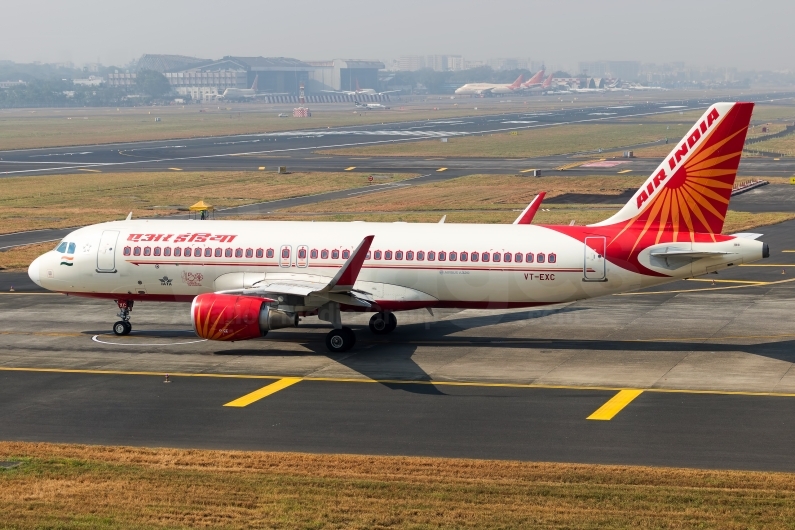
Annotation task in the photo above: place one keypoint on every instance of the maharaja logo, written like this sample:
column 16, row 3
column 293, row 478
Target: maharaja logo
column 67, row 260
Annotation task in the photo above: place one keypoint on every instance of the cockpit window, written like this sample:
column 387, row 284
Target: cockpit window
column 71, row 248
column 62, row 247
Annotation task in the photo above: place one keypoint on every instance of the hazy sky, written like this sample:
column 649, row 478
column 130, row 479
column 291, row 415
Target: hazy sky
column 748, row 35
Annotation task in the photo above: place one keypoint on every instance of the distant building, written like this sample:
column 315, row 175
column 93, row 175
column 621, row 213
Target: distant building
column 626, row 70
column 198, row 93
column 90, row 81
column 342, row 74
column 121, row 80
column 9, row 84
column 455, row 63
column 411, row 63
column 167, row 63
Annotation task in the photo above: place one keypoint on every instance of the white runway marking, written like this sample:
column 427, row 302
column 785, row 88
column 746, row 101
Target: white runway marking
column 95, row 338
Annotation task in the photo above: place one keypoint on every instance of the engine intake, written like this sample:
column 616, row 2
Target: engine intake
column 232, row 317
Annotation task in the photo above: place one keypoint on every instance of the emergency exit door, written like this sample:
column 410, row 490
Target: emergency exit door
column 594, row 269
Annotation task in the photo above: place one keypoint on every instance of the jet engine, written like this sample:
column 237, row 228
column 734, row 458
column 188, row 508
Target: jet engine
column 234, row 317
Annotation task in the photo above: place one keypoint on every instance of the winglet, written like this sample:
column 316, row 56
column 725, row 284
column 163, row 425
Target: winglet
column 441, row 221
column 526, row 217
column 129, row 216
column 347, row 275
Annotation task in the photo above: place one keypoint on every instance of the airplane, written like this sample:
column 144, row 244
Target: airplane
column 534, row 81
column 484, row 89
column 245, row 278
column 371, row 106
column 247, row 93
column 360, row 91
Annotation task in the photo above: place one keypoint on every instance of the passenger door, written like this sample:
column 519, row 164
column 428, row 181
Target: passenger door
column 594, row 269
column 106, row 251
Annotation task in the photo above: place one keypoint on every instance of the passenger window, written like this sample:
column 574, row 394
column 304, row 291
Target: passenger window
column 453, row 256
column 431, row 255
column 496, row 257
column 208, row 252
column 71, row 248
column 475, row 256
column 167, row 251
column 552, row 257
column 420, row 255
column 335, row 254
column 260, row 253
column 518, row 257
column 409, row 255
column 285, row 253
column 177, row 252
column 507, row 257
column 388, row 254
column 464, row 256
column 302, row 253
column 324, row 254
column 399, row 254
column 346, row 254
column 442, row 256
column 147, row 251
column 219, row 253
column 127, row 251
column 187, row 252
column 62, row 247
column 228, row 253
column 484, row 256
column 238, row 252
column 157, row 251
column 197, row 252
column 312, row 254
column 540, row 257
column 249, row 252
column 269, row 253
column 369, row 253
column 137, row 251
column 377, row 254
column 529, row 257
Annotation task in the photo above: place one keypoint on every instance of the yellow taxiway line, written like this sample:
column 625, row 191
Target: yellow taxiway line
column 441, row 169
column 614, row 405
column 175, row 169
column 89, row 170
column 349, row 168
column 625, row 171
column 476, row 384
column 263, row 392
column 527, row 170
column 753, row 284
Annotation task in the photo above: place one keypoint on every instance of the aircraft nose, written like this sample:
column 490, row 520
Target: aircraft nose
column 34, row 271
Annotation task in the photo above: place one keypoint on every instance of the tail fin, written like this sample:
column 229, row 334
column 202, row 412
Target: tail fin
column 537, row 78
column 254, row 84
column 518, row 82
column 689, row 192
column 548, row 82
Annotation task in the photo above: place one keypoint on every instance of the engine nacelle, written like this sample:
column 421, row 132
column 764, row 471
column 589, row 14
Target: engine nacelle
column 234, row 317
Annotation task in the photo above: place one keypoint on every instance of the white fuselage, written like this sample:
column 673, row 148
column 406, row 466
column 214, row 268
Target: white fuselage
column 129, row 259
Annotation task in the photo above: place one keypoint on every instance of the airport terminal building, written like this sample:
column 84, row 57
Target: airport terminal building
column 282, row 79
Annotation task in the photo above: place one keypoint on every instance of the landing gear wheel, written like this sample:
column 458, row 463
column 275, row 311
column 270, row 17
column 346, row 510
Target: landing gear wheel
column 340, row 340
column 383, row 323
column 122, row 328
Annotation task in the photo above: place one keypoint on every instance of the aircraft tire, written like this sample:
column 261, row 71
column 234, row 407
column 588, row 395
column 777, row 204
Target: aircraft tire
column 391, row 323
column 122, row 328
column 378, row 324
column 340, row 340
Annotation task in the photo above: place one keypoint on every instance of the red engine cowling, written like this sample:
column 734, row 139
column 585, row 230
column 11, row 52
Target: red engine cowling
column 234, row 317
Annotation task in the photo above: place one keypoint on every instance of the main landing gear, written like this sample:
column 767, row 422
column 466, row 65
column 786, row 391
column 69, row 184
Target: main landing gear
column 123, row 326
column 341, row 339
column 383, row 323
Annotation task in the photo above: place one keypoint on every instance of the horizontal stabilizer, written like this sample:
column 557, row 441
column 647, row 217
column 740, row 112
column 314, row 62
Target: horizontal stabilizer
column 748, row 235
column 694, row 254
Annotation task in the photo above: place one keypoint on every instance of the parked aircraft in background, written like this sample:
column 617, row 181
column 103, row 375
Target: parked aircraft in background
column 360, row 91
column 247, row 93
column 484, row 89
column 535, row 81
column 245, row 278
column 371, row 106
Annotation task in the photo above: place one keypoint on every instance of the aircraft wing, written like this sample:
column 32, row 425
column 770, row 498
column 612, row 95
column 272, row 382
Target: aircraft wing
column 338, row 289
column 694, row 254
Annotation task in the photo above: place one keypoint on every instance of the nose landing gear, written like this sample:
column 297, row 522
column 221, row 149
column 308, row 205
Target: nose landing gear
column 123, row 326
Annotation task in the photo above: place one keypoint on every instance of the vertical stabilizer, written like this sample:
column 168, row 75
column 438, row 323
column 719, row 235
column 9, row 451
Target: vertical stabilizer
column 690, row 190
column 254, row 84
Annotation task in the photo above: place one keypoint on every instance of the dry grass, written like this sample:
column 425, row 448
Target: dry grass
column 69, row 486
column 58, row 201
column 784, row 145
column 20, row 257
column 497, row 199
column 530, row 142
